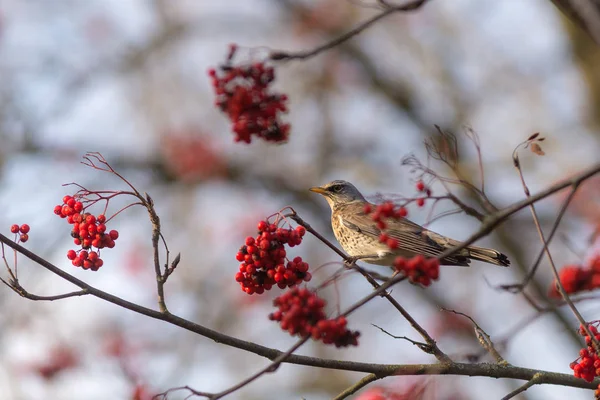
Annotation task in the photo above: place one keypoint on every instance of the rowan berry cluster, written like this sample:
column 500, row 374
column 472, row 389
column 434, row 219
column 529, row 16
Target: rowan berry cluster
column 301, row 312
column 263, row 259
column 419, row 269
column 587, row 366
column 383, row 211
column 22, row 231
column 88, row 231
column 243, row 93
column 578, row 278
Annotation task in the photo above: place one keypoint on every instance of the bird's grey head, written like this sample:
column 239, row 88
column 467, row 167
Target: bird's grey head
column 338, row 192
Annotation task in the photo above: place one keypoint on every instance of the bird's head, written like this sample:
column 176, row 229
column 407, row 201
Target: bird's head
column 338, row 192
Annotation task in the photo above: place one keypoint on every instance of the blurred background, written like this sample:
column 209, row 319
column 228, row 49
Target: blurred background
column 129, row 79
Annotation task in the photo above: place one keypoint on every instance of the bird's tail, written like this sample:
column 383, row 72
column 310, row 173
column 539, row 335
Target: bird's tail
column 488, row 255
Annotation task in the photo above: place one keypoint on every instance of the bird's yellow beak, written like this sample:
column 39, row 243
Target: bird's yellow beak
column 318, row 189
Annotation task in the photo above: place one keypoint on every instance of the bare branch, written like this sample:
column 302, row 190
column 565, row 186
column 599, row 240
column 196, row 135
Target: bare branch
column 538, row 227
column 423, row 346
column 536, row 379
column 302, row 55
column 519, row 287
column 482, row 337
column 357, row 386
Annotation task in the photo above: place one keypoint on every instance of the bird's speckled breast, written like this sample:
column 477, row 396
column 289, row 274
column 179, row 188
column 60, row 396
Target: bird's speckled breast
column 354, row 243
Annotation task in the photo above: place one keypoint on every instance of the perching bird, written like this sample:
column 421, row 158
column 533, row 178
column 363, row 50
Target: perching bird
column 358, row 233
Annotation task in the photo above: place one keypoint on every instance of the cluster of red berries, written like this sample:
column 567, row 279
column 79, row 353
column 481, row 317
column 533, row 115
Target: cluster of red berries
column 263, row 260
column 22, row 230
column 587, row 366
column 243, row 94
column 301, row 312
column 419, row 269
column 88, row 231
column 421, row 187
column 578, row 278
column 382, row 211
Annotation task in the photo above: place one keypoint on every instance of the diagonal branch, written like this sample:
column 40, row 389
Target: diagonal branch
column 389, row 10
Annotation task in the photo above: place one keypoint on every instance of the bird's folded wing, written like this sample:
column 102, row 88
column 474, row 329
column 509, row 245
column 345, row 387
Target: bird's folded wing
column 411, row 237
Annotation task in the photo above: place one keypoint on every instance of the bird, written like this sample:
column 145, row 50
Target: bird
column 358, row 233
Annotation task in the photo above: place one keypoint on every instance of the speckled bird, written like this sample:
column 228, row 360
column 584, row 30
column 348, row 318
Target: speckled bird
column 358, row 234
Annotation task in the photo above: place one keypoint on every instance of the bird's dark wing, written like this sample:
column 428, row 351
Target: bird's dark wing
column 412, row 238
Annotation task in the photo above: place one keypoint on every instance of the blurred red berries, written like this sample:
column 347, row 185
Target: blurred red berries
column 60, row 359
column 578, row 278
column 243, row 94
column 190, row 156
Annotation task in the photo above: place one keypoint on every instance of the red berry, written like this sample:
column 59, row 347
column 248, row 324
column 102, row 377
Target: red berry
column 420, row 202
column 101, row 218
column 392, row 243
column 420, row 186
column 71, row 254
column 24, row 237
column 14, row 228
column 114, row 235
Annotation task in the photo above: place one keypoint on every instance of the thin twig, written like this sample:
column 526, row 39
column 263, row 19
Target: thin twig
column 302, row 55
column 423, row 346
column 536, row 379
column 269, row 368
column 482, row 337
column 357, row 386
column 519, row 287
column 540, row 232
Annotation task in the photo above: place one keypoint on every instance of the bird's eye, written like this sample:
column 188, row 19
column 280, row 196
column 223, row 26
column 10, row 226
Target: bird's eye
column 336, row 188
